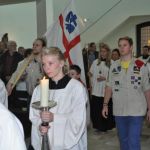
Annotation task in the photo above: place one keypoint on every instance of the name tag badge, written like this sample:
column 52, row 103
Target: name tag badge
column 136, row 70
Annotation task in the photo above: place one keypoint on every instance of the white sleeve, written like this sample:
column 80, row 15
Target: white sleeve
column 3, row 94
column 148, row 65
column 92, row 70
column 69, row 128
column 11, row 133
column 34, row 115
column 109, row 78
column 145, row 79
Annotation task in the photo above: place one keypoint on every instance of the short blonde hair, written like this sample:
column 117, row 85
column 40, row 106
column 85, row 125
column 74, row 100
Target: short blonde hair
column 53, row 51
column 56, row 52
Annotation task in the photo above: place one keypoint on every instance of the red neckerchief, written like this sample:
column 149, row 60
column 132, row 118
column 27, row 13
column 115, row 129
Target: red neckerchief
column 139, row 63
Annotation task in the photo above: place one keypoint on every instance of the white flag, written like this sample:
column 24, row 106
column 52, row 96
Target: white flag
column 64, row 33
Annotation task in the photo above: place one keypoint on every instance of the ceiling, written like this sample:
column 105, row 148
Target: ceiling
column 91, row 10
column 6, row 2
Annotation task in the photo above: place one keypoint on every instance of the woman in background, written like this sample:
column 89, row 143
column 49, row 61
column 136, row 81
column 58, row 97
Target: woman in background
column 98, row 73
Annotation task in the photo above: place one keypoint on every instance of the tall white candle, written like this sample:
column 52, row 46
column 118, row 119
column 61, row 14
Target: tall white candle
column 44, row 84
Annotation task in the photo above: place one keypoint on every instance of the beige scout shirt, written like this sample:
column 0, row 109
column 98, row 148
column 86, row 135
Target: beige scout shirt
column 32, row 74
column 128, row 89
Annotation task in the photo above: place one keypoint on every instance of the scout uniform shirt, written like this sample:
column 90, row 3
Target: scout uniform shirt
column 144, row 60
column 128, row 87
column 34, row 74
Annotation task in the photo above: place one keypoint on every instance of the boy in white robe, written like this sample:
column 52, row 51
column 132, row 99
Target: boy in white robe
column 75, row 72
column 11, row 131
column 67, row 120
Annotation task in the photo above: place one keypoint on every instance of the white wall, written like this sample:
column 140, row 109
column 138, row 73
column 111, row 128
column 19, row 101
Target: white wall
column 115, row 17
column 128, row 28
column 19, row 21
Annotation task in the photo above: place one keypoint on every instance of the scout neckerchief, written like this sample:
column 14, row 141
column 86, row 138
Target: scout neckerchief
column 125, row 64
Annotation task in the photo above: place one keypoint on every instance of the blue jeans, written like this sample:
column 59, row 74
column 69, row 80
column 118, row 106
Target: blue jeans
column 129, row 131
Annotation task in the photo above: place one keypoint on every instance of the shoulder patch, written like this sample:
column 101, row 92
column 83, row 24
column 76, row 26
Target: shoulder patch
column 139, row 63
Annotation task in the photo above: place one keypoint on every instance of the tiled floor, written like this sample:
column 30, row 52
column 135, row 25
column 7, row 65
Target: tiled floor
column 109, row 141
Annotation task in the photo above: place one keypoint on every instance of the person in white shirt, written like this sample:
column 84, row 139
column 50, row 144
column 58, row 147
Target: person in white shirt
column 11, row 131
column 145, row 54
column 67, row 120
column 98, row 73
column 75, row 72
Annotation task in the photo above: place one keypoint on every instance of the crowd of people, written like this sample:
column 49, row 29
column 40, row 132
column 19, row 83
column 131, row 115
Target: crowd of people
column 116, row 93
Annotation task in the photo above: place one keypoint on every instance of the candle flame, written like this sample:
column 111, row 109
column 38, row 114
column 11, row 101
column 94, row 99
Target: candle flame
column 44, row 78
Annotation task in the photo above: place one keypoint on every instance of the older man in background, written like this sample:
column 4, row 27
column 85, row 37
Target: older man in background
column 8, row 62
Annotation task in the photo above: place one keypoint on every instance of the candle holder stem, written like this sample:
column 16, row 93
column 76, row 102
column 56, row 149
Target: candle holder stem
column 37, row 105
column 45, row 140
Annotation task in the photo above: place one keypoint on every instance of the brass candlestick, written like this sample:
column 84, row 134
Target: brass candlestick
column 45, row 139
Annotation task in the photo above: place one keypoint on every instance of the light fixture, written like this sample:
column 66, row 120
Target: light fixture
column 85, row 20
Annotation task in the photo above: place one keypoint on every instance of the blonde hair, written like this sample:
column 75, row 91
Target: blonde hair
column 104, row 46
column 56, row 52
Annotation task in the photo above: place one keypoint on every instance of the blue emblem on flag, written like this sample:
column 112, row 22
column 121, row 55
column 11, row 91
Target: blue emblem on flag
column 71, row 22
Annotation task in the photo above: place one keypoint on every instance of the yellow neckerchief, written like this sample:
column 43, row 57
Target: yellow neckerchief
column 125, row 64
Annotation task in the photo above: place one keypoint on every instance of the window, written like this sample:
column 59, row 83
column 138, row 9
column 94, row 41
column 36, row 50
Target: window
column 142, row 36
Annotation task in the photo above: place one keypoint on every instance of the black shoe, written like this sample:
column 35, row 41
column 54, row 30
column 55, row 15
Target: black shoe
column 30, row 147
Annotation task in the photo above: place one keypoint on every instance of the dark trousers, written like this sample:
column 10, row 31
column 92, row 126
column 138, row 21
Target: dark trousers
column 12, row 99
column 28, row 102
column 99, row 122
column 129, row 131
